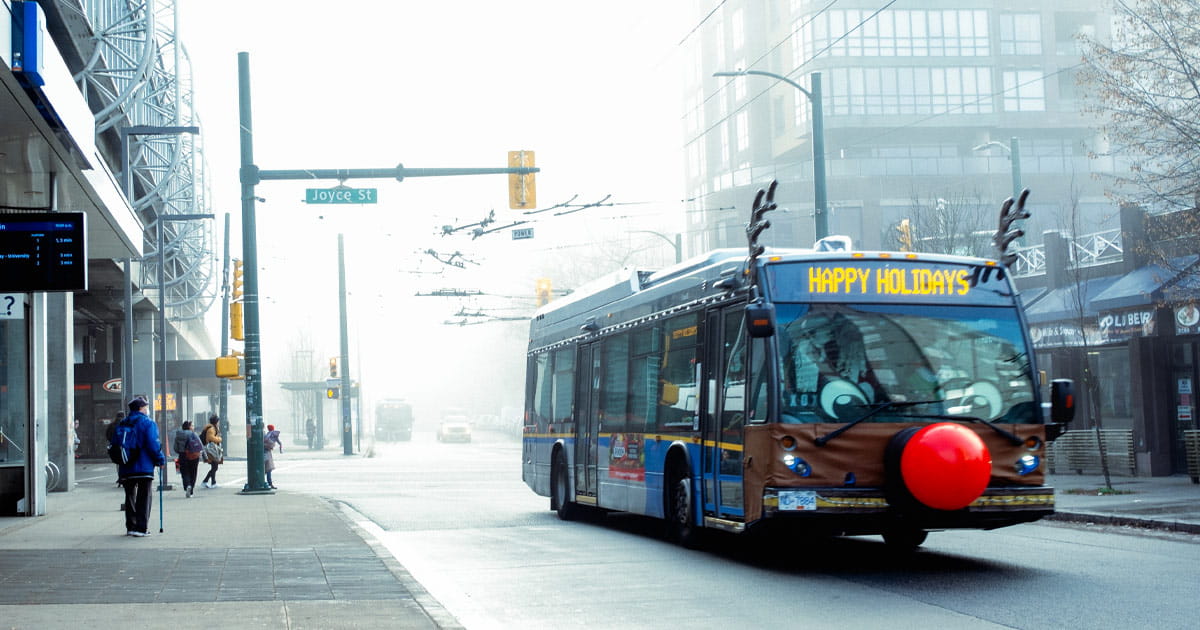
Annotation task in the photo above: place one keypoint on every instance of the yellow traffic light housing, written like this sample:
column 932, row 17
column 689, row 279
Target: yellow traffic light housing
column 905, row 235
column 236, row 293
column 333, row 365
column 227, row 367
column 236, row 329
column 543, row 290
column 522, row 190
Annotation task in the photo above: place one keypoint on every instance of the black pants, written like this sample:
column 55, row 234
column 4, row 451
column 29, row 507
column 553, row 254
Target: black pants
column 212, row 473
column 138, row 499
column 187, row 470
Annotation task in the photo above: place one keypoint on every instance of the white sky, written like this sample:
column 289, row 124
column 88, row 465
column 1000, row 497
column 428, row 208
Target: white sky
column 592, row 88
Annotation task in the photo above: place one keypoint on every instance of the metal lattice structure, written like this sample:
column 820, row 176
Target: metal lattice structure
column 1087, row 250
column 141, row 73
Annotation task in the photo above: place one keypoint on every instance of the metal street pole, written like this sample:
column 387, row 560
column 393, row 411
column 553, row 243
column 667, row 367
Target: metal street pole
column 256, row 476
column 1014, row 157
column 223, row 399
column 821, row 202
column 344, row 361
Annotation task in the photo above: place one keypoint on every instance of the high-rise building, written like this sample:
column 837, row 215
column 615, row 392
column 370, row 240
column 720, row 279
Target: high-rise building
column 923, row 108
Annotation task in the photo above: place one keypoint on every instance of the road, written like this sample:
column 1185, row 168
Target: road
column 460, row 519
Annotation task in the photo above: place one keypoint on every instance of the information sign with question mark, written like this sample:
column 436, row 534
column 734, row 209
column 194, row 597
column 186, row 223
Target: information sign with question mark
column 12, row 306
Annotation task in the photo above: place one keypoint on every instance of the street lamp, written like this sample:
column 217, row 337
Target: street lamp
column 676, row 243
column 1013, row 151
column 818, row 140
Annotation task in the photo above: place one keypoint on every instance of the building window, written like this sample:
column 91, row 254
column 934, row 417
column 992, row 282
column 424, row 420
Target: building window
column 1021, row 34
column 737, row 23
column 1024, row 91
column 900, row 33
column 890, row 91
column 742, row 128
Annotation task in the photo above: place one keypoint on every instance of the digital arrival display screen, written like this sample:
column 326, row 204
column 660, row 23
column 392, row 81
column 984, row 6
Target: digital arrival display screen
column 43, row 251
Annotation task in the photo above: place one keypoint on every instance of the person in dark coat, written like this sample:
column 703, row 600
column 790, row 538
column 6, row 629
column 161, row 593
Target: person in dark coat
column 138, row 475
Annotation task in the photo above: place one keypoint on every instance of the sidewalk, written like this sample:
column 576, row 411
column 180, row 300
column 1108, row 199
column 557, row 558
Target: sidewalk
column 224, row 559
column 1163, row 503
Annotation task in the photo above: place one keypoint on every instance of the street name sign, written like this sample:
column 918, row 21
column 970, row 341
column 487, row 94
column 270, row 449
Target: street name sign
column 522, row 234
column 340, row 195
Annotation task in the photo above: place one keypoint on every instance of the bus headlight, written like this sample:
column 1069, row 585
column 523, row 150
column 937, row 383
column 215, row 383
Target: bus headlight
column 797, row 465
column 1027, row 464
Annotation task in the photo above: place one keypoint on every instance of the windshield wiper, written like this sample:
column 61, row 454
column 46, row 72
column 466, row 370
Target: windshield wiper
column 876, row 408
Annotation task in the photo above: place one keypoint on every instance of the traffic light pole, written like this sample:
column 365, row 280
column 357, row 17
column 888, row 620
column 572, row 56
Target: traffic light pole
column 250, row 176
column 344, row 372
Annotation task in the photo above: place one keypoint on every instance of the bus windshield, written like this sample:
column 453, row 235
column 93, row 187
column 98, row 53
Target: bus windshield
column 839, row 362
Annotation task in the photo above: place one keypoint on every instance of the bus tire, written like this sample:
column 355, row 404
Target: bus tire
column 680, row 527
column 560, row 500
column 904, row 539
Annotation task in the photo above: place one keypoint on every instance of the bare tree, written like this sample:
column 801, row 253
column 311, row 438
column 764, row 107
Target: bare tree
column 1146, row 84
column 1078, row 298
column 953, row 223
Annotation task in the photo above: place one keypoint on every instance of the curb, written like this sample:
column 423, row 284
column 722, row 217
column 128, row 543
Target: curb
column 1124, row 521
column 431, row 606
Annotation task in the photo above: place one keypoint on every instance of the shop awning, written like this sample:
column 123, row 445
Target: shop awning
column 1143, row 286
column 1062, row 305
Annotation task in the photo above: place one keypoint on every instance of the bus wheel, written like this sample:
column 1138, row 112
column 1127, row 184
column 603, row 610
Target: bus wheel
column 559, row 501
column 680, row 527
column 904, row 539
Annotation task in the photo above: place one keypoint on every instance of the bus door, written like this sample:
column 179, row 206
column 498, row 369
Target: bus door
column 587, row 424
column 724, row 374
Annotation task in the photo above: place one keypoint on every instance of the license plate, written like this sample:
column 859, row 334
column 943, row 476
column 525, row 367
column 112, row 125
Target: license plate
column 797, row 500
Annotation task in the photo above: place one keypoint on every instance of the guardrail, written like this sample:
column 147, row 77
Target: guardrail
column 1079, row 452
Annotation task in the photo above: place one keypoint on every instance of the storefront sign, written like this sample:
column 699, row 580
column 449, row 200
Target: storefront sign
column 1187, row 319
column 1121, row 326
column 1059, row 335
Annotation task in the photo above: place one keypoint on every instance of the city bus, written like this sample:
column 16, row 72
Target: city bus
column 827, row 390
column 393, row 420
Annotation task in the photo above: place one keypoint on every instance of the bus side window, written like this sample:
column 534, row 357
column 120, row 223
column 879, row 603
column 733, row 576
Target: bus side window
column 564, row 385
column 758, row 380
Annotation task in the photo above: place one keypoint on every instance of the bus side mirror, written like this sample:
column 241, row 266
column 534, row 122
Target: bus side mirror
column 760, row 319
column 1062, row 401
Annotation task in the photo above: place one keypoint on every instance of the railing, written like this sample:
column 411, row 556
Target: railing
column 1191, row 442
column 1088, row 250
column 1079, row 452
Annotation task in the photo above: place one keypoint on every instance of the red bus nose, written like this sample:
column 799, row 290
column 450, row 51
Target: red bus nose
column 946, row 466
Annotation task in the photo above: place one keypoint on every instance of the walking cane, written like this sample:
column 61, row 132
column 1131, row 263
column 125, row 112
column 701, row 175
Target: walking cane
column 162, row 482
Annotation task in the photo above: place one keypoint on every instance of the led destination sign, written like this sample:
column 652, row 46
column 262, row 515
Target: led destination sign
column 43, row 251
column 889, row 281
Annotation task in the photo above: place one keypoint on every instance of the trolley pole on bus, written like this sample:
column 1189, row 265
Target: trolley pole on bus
column 250, row 176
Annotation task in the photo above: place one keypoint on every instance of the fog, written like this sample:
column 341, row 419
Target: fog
column 591, row 88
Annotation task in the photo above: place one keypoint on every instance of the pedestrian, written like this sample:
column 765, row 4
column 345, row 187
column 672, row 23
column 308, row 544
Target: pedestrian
column 212, row 435
column 270, row 442
column 310, row 429
column 138, row 475
column 188, row 448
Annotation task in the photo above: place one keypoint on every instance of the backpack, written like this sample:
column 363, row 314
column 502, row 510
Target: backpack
column 124, row 446
column 181, row 441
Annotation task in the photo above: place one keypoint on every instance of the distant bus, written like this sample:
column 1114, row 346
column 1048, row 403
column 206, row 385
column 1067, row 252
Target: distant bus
column 393, row 420
column 835, row 392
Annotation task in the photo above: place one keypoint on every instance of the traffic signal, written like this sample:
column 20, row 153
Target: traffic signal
column 227, row 367
column 905, row 236
column 331, row 392
column 543, row 290
column 236, row 329
column 236, row 294
column 522, row 191
column 333, row 369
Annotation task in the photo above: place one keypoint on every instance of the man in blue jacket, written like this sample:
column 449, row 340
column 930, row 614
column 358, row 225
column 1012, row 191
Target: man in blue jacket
column 138, row 475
